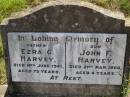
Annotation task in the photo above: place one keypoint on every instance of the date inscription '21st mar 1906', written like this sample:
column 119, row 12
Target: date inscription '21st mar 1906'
column 78, row 58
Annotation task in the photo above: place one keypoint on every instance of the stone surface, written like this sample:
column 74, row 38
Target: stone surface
column 63, row 17
column 76, row 58
column 128, row 95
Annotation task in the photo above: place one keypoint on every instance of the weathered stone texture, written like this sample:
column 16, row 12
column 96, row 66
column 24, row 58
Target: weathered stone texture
column 65, row 17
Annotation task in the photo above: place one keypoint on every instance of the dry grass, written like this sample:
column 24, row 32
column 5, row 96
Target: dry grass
column 120, row 5
column 3, row 79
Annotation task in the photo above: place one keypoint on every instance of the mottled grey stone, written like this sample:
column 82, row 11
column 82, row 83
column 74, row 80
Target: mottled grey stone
column 64, row 16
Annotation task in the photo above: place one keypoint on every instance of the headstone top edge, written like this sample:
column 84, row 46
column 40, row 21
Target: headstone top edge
column 28, row 11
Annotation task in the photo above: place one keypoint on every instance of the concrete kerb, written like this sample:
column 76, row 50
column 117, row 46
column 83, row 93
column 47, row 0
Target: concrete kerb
column 3, row 89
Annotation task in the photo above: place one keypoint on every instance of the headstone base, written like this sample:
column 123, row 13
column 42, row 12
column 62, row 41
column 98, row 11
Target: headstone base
column 23, row 95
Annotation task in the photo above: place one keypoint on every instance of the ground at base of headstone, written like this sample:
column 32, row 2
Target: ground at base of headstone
column 22, row 95
column 3, row 89
column 55, row 96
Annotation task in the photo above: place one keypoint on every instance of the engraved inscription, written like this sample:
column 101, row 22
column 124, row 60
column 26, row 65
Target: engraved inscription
column 76, row 58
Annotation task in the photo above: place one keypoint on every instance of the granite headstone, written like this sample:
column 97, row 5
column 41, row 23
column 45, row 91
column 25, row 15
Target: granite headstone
column 65, row 49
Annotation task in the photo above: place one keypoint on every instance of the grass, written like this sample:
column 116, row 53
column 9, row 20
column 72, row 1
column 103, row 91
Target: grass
column 36, row 2
column 120, row 5
column 125, row 87
column 3, row 79
column 9, row 6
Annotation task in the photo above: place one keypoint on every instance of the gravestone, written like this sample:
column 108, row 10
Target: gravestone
column 65, row 49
